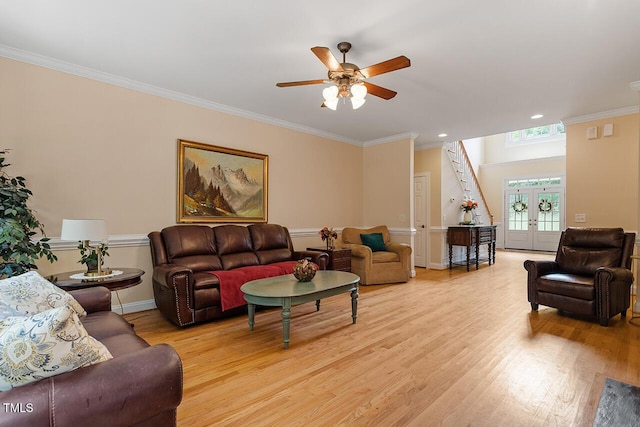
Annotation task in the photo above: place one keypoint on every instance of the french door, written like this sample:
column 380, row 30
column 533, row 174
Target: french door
column 535, row 218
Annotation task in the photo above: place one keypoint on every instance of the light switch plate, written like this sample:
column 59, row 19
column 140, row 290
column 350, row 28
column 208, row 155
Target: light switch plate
column 607, row 130
column 580, row 218
column 592, row 132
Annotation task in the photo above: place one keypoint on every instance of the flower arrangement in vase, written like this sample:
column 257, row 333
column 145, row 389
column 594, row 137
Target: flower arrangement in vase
column 468, row 206
column 328, row 234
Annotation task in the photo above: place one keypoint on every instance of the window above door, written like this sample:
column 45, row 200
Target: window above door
column 547, row 133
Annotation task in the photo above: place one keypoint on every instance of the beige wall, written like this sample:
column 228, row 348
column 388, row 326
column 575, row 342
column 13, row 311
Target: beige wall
column 94, row 150
column 602, row 173
column 387, row 184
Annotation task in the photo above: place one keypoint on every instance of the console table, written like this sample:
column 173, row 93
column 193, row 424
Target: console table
column 472, row 236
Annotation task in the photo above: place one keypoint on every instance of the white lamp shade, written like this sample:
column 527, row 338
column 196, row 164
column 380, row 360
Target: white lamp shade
column 84, row 229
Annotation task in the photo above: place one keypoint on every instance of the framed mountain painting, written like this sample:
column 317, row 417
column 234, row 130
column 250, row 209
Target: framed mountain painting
column 217, row 184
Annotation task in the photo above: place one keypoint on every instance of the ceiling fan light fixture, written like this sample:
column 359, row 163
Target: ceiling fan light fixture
column 347, row 79
column 331, row 104
column 357, row 102
column 358, row 91
column 330, row 93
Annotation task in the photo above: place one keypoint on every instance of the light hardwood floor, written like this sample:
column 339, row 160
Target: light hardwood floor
column 447, row 348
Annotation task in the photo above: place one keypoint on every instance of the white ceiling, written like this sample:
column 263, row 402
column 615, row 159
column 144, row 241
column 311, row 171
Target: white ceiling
column 478, row 67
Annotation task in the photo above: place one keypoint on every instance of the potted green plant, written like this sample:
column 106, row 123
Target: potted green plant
column 89, row 256
column 19, row 248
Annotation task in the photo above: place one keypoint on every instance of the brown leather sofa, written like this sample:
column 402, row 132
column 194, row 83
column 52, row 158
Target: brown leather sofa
column 140, row 386
column 184, row 256
column 590, row 275
column 392, row 265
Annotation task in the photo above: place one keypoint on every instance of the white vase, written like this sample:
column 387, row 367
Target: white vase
column 467, row 218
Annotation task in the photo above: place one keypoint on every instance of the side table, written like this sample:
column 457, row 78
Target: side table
column 339, row 258
column 129, row 277
column 473, row 236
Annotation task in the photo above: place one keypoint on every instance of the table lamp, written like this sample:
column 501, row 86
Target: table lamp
column 86, row 230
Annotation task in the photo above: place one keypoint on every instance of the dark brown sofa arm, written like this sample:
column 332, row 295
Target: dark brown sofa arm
column 165, row 274
column 174, row 293
column 613, row 276
column 539, row 268
column 612, row 285
column 93, row 299
column 123, row 391
column 320, row 258
column 536, row 269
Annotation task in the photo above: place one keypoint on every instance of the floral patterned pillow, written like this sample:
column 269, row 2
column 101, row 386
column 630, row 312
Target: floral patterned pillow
column 44, row 345
column 6, row 311
column 30, row 293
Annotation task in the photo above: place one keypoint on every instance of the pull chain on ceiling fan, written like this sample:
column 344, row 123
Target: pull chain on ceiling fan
column 347, row 80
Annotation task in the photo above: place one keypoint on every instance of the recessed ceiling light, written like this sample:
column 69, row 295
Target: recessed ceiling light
column 537, row 116
column 442, row 135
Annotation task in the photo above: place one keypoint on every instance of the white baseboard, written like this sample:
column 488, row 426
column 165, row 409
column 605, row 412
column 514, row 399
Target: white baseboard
column 438, row 266
column 132, row 307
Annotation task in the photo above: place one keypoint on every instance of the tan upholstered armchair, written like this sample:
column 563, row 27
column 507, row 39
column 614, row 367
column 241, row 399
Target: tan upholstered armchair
column 390, row 264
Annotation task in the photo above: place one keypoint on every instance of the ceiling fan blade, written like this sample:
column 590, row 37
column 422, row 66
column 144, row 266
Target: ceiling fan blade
column 302, row 83
column 327, row 58
column 380, row 91
column 386, row 66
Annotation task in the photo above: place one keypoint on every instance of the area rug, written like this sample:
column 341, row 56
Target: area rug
column 619, row 405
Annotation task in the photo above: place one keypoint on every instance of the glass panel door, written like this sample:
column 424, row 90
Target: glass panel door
column 535, row 218
column 549, row 221
column 518, row 228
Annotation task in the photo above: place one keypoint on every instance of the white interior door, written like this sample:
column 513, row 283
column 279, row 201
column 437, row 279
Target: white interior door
column 535, row 218
column 420, row 200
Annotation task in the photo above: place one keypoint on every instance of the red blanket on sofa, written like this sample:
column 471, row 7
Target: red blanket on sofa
column 231, row 280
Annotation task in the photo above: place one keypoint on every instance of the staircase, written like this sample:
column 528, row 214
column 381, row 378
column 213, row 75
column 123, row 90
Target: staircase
column 468, row 181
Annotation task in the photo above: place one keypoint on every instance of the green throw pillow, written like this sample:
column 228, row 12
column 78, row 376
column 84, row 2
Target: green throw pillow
column 374, row 241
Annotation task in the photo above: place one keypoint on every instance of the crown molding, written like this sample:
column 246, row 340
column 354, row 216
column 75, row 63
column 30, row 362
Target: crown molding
column 428, row 145
column 90, row 73
column 392, row 138
column 602, row 115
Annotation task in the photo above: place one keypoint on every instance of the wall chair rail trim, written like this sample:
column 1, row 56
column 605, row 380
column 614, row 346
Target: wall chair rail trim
column 114, row 241
column 133, row 240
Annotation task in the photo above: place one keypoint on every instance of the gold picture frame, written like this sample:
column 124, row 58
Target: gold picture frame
column 218, row 184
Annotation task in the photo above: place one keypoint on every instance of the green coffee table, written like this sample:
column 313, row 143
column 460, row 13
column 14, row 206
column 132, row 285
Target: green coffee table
column 286, row 291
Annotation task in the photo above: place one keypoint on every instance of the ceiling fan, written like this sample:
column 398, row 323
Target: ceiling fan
column 348, row 80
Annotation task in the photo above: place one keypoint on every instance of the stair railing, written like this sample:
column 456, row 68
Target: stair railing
column 461, row 164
